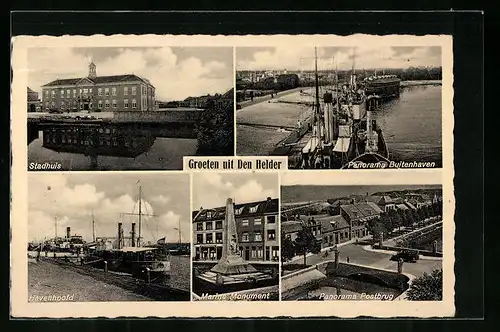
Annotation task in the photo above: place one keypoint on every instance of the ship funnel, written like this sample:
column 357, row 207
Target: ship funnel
column 132, row 233
column 120, row 235
column 68, row 232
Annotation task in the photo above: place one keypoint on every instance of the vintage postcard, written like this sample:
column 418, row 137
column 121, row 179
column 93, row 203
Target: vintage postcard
column 230, row 176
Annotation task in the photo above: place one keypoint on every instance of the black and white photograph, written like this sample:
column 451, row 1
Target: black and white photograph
column 93, row 240
column 341, row 107
column 360, row 242
column 128, row 108
column 235, row 237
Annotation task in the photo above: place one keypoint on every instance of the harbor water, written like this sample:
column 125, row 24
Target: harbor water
column 164, row 153
column 411, row 124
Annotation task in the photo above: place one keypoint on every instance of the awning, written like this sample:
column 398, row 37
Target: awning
column 342, row 144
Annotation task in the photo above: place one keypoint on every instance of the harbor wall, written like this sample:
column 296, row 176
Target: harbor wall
column 161, row 116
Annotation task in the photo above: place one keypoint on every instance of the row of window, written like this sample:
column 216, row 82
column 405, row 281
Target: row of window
column 99, row 104
column 90, row 142
column 245, row 237
column 208, row 225
column 100, row 92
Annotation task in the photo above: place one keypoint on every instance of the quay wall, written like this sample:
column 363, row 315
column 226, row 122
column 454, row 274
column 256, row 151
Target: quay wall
column 161, row 116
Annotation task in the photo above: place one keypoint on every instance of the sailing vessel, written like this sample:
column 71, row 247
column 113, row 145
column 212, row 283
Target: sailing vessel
column 135, row 259
column 344, row 133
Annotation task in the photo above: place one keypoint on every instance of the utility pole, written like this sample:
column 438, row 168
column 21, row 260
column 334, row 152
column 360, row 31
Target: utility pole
column 55, row 227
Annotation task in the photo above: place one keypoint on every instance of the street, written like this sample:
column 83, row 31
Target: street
column 357, row 255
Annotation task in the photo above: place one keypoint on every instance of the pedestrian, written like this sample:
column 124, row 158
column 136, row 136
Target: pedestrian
column 348, row 260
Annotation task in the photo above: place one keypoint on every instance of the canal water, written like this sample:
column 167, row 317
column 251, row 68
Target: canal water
column 411, row 124
column 345, row 289
column 163, row 153
column 180, row 272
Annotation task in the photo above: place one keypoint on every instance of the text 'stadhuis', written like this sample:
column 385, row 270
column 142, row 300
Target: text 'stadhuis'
column 99, row 93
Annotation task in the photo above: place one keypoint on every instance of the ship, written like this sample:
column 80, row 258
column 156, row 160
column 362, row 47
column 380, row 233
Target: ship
column 135, row 259
column 384, row 86
column 342, row 132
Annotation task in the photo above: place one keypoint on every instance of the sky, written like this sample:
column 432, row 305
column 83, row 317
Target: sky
column 176, row 72
column 366, row 57
column 72, row 197
column 211, row 190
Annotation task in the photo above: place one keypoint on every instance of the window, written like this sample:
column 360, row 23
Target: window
column 209, row 214
column 125, row 90
column 113, row 91
column 81, row 106
column 85, row 91
column 81, row 91
column 258, row 236
column 209, row 226
column 245, row 237
column 106, row 104
column 125, row 103
column 199, row 238
column 244, row 222
column 257, row 221
column 47, row 104
column 218, row 224
column 53, row 93
column 106, row 92
column 199, row 226
column 134, row 103
column 271, row 234
column 99, row 104
column 62, row 93
column 99, row 91
column 218, row 237
column 275, row 253
column 90, row 90
column 209, row 238
column 68, row 93
column 114, row 103
column 134, row 91
column 46, row 93
column 62, row 104
column 259, row 252
column 74, row 93
column 239, row 210
column 254, row 253
column 271, row 219
column 253, row 209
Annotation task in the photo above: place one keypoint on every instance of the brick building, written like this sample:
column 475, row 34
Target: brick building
column 127, row 92
column 33, row 101
column 256, row 225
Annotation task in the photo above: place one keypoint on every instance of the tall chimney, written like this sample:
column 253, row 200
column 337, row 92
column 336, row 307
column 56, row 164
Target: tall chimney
column 68, row 232
column 120, row 233
column 133, row 234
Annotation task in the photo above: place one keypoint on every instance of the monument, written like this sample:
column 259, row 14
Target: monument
column 232, row 272
column 231, row 262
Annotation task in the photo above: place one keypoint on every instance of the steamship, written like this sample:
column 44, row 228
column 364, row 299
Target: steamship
column 135, row 259
column 384, row 86
column 342, row 132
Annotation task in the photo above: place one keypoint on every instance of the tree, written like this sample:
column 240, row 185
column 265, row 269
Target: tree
column 305, row 243
column 376, row 227
column 287, row 249
column 428, row 287
column 215, row 127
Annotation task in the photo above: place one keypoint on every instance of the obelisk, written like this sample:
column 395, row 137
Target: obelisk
column 231, row 262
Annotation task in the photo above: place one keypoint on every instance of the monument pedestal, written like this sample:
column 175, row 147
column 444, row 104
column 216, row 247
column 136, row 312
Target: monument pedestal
column 233, row 264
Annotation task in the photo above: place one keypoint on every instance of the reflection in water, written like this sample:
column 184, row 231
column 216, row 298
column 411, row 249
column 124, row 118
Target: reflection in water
column 99, row 146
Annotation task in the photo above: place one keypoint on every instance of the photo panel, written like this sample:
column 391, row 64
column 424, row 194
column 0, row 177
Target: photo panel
column 92, row 241
column 236, row 251
column 128, row 108
column 361, row 242
column 357, row 106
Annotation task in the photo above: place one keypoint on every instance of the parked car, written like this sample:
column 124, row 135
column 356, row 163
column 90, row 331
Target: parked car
column 409, row 256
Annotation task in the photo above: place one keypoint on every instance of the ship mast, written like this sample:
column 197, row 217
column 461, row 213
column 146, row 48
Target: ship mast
column 93, row 227
column 55, row 227
column 140, row 215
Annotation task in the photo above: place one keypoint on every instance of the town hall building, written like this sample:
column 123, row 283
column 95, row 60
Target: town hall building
column 127, row 92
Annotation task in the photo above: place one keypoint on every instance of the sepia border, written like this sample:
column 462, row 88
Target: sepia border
column 445, row 176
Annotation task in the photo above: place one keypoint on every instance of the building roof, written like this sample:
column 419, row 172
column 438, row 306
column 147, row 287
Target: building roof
column 135, row 249
column 361, row 210
column 269, row 205
column 410, row 205
column 99, row 80
column 291, row 226
column 333, row 223
column 385, row 200
column 402, row 206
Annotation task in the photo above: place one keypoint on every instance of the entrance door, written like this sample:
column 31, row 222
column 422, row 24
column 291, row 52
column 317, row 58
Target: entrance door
column 247, row 253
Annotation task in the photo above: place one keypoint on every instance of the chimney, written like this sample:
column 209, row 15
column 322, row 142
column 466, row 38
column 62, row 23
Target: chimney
column 269, row 198
column 68, row 232
column 133, row 234
column 120, row 232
